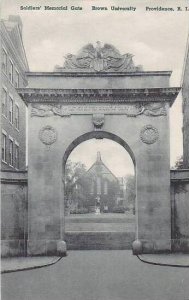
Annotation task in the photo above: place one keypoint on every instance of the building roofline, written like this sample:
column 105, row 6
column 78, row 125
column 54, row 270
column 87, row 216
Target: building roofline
column 103, row 165
column 25, row 62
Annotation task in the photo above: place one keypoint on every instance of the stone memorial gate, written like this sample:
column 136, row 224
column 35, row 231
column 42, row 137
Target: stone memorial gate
column 98, row 93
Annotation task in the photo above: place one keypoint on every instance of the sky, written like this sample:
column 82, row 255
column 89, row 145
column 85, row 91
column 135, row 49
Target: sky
column 156, row 39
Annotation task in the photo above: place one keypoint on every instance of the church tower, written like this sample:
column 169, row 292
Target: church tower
column 98, row 158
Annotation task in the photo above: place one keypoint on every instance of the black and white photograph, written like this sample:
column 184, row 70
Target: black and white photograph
column 94, row 149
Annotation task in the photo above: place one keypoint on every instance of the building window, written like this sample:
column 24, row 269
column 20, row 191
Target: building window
column 17, row 117
column 98, row 182
column 16, row 79
column 4, row 147
column 4, row 62
column 10, row 152
column 11, row 71
column 16, row 156
column 4, row 102
column 105, row 188
column 11, row 110
column 92, row 187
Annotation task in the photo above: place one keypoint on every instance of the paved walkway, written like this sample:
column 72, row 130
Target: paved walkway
column 98, row 275
column 14, row 264
column 174, row 259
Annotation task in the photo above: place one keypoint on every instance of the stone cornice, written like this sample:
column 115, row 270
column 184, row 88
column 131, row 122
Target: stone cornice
column 14, row 177
column 98, row 74
column 180, row 175
column 14, row 181
column 31, row 95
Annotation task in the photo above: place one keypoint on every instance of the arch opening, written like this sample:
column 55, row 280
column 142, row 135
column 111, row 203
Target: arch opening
column 99, row 192
column 98, row 135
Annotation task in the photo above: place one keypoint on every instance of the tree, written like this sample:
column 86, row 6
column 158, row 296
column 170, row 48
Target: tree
column 73, row 172
column 179, row 164
column 130, row 190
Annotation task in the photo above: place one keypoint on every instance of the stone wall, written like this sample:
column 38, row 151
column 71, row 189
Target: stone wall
column 13, row 213
column 180, row 210
column 14, row 220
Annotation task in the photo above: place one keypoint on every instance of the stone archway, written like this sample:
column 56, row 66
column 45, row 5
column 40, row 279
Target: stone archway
column 129, row 104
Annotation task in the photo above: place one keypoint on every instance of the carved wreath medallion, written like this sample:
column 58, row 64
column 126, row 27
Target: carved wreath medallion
column 47, row 135
column 149, row 134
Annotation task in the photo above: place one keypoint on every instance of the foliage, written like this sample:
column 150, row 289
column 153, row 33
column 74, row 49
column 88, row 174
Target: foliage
column 79, row 211
column 119, row 209
column 179, row 163
column 73, row 173
column 130, row 189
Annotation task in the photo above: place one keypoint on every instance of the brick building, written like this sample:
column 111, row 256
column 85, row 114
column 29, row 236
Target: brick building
column 14, row 66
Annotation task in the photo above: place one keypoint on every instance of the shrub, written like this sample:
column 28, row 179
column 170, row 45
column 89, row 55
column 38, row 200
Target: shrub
column 79, row 211
column 119, row 209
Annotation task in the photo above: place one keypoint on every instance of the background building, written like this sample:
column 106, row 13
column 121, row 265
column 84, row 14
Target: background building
column 99, row 188
column 14, row 66
column 185, row 109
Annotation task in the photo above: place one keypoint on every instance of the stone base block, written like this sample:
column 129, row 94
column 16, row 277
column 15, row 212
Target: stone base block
column 46, row 247
column 11, row 248
column 61, row 248
column 156, row 246
column 137, row 247
column 99, row 240
column 180, row 245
